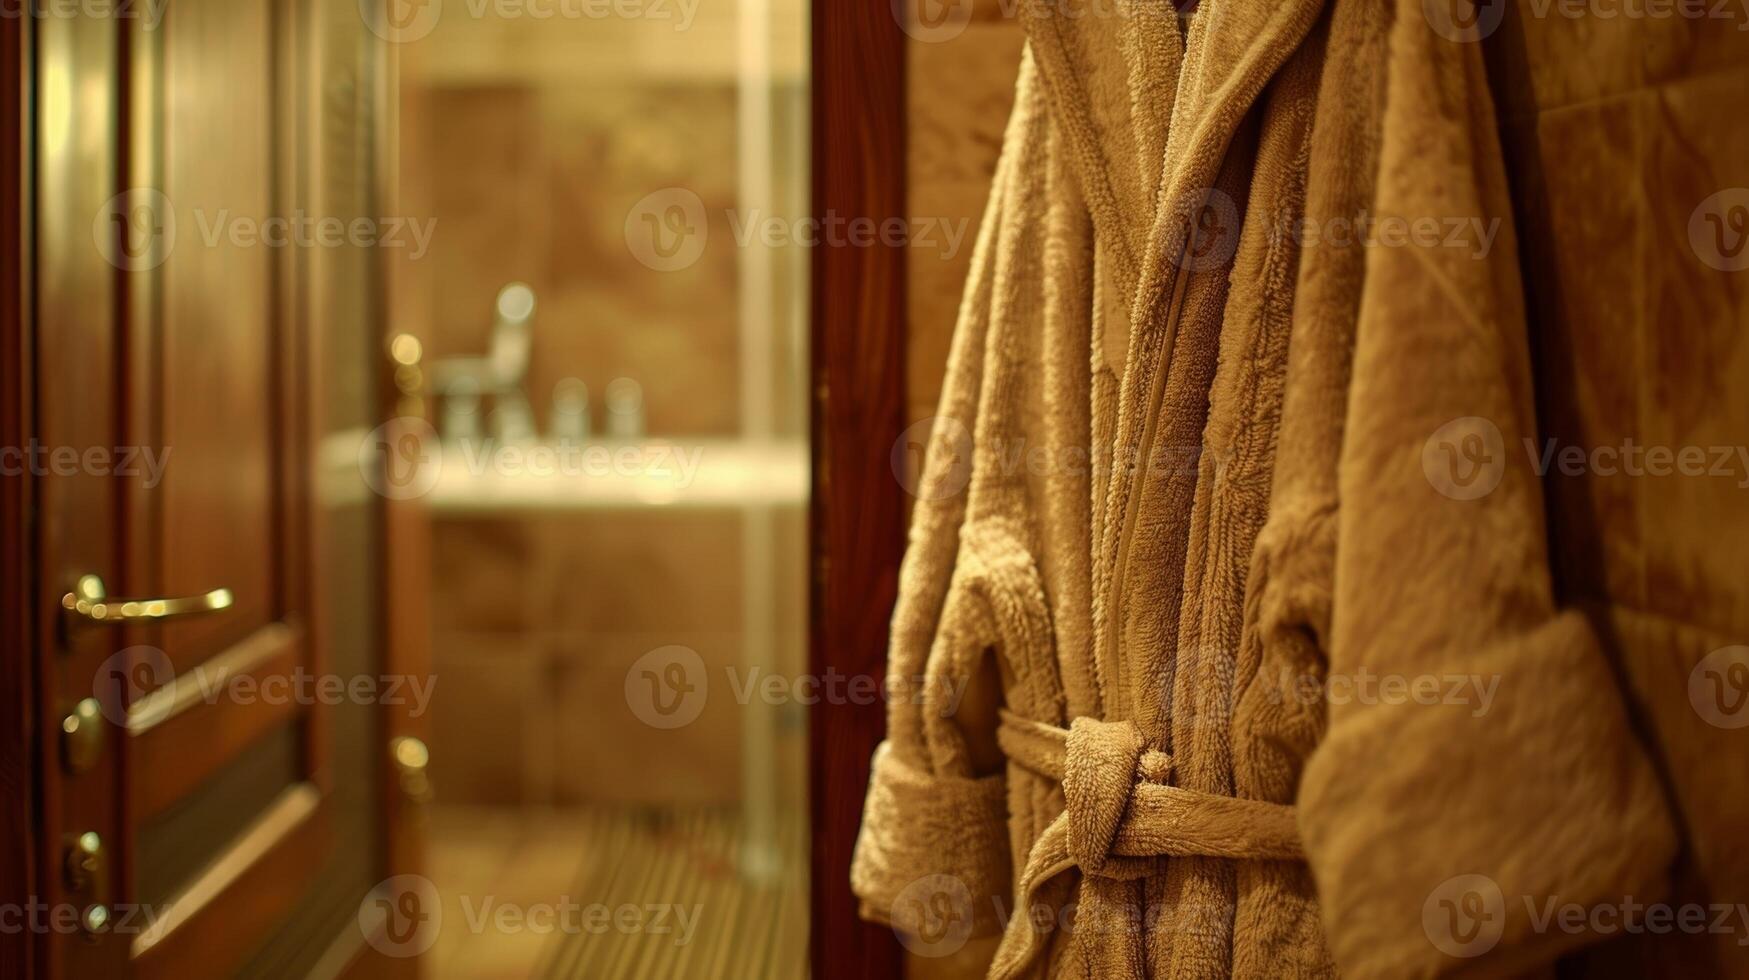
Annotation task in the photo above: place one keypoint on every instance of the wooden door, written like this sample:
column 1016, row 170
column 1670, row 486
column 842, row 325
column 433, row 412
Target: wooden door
column 211, row 755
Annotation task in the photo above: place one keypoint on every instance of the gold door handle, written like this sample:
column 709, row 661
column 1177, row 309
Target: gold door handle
column 88, row 601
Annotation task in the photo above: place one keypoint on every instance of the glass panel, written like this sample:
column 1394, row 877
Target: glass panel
column 610, row 301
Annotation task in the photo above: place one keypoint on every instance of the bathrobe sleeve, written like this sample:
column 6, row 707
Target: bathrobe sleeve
column 1480, row 763
column 932, row 856
column 932, row 831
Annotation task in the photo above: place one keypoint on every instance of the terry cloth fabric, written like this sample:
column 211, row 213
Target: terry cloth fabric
column 1193, row 473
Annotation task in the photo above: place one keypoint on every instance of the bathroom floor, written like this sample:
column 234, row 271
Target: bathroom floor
column 611, row 893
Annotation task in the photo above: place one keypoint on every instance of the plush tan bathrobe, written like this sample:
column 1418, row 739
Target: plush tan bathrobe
column 1186, row 483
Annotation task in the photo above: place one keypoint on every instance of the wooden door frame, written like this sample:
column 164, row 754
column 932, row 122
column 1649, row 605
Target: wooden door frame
column 857, row 512
column 18, row 801
column 404, row 544
column 27, row 771
column 856, row 521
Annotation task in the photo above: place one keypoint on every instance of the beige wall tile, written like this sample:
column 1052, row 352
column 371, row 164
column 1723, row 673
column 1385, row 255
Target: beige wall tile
column 648, row 571
column 488, row 706
column 606, row 753
column 480, row 575
column 959, row 93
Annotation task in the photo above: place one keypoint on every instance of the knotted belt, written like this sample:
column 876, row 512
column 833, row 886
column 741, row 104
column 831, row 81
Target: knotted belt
column 1119, row 819
column 1118, row 806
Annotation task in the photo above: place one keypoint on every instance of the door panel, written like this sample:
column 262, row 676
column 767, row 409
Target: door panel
column 78, row 521
column 180, row 739
column 223, row 791
column 219, row 500
column 222, row 382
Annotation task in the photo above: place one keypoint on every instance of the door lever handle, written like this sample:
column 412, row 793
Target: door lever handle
column 88, row 601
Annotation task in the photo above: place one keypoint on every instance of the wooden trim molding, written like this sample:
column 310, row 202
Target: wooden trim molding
column 857, row 514
column 19, row 792
column 184, row 733
column 209, row 926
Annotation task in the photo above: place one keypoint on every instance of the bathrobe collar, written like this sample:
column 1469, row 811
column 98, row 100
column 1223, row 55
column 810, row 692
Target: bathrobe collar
column 1149, row 103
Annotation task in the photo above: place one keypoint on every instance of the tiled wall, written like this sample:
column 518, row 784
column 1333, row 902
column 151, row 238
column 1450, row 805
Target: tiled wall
column 532, row 184
column 1628, row 150
column 537, row 619
column 958, row 93
column 530, row 141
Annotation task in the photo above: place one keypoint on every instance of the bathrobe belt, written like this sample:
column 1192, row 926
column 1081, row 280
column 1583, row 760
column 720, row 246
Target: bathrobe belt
column 1119, row 813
